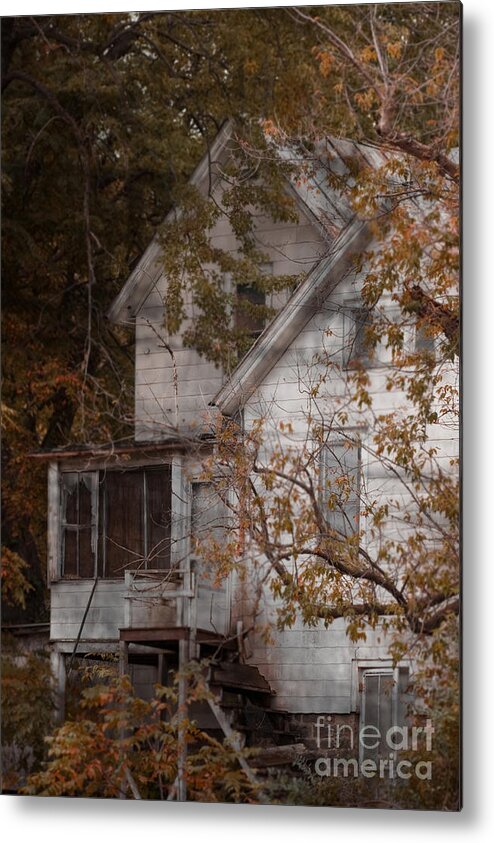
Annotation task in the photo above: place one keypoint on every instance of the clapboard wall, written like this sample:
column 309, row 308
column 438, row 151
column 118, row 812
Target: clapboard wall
column 106, row 614
column 174, row 385
column 316, row 670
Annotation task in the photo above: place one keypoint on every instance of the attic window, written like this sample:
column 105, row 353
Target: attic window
column 114, row 521
column 247, row 318
column 250, row 316
column 356, row 349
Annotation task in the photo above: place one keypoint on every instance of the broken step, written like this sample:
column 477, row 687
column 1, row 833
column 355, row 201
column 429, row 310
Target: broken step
column 240, row 677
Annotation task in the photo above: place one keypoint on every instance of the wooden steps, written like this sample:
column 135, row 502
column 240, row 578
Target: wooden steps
column 239, row 677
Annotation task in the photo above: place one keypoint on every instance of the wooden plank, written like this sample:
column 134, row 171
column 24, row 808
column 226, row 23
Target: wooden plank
column 184, row 357
column 88, row 648
column 152, row 403
column 106, row 615
column 104, row 618
column 330, row 657
column 201, row 389
column 279, row 756
column 53, row 523
column 240, row 676
column 153, row 407
column 153, row 634
column 176, row 633
column 334, row 636
column 311, row 686
column 164, row 373
column 74, row 601
column 142, row 617
column 233, row 738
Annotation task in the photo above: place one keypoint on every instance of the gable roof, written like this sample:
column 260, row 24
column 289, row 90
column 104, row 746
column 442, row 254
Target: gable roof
column 321, row 280
column 327, row 205
column 331, row 154
column 291, row 319
column 324, row 206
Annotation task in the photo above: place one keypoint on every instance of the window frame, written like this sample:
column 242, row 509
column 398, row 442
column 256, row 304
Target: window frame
column 383, row 666
column 350, row 333
column 424, row 342
column 247, row 322
column 335, row 437
column 243, row 321
column 76, row 528
column 58, row 524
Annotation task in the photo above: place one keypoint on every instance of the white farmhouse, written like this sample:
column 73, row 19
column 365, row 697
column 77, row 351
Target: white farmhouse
column 124, row 573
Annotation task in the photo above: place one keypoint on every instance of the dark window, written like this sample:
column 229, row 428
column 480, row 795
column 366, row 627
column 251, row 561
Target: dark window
column 424, row 340
column 249, row 312
column 357, row 350
column 340, row 473
column 79, row 523
column 115, row 520
column 123, row 523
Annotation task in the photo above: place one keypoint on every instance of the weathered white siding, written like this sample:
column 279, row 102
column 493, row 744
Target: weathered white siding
column 106, row 615
column 113, row 608
column 316, row 670
column 311, row 670
column 174, row 385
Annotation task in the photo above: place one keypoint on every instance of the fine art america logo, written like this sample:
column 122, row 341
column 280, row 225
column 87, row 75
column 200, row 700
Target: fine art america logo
column 383, row 746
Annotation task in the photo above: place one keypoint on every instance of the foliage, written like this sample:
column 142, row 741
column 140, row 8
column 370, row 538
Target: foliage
column 15, row 584
column 112, row 112
column 439, row 691
column 27, row 712
column 120, row 745
column 104, row 119
column 397, row 571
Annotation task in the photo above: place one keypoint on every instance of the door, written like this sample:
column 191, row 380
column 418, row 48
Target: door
column 383, row 707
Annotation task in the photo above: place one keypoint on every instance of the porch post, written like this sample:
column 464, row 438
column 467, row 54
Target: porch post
column 183, row 655
column 123, row 661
